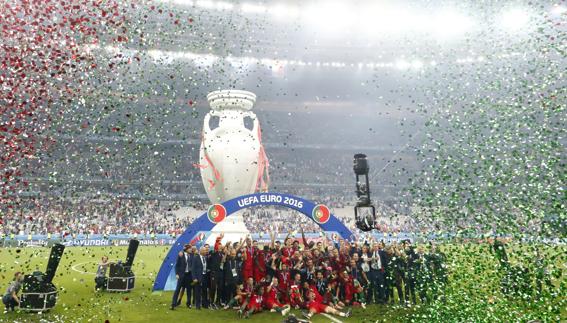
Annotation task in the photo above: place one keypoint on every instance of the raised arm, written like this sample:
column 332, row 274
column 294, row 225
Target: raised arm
column 272, row 240
column 287, row 236
column 340, row 245
column 239, row 246
column 305, row 244
column 325, row 240
column 270, row 287
column 218, row 241
column 273, row 265
column 299, row 264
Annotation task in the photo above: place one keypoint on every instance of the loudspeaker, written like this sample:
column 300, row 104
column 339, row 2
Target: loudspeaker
column 38, row 292
column 53, row 263
column 132, row 248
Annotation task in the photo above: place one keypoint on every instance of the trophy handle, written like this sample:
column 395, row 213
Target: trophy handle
column 206, row 126
column 255, row 122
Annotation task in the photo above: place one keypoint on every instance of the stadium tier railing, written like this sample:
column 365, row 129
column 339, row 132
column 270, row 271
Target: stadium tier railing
column 30, row 240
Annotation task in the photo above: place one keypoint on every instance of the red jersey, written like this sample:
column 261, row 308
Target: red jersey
column 316, row 307
column 295, row 298
column 260, row 260
column 347, row 286
column 271, row 295
column 250, row 254
column 284, row 279
column 282, row 293
column 344, row 260
column 287, row 251
column 259, row 266
column 248, row 289
column 255, row 302
column 318, row 297
column 271, row 298
column 335, row 264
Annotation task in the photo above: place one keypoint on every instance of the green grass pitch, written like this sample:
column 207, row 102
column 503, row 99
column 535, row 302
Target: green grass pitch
column 473, row 294
column 79, row 303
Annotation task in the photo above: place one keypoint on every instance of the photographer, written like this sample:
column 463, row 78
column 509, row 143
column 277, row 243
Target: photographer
column 100, row 278
column 11, row 299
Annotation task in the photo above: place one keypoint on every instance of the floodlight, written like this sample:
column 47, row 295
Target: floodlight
column 449, row 22
column 559, row 10
column 514, row 19
column 252, row 8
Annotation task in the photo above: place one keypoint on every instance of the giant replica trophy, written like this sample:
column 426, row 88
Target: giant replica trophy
column 232, row 158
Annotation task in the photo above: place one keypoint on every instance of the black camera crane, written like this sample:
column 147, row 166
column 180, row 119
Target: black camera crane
column 364, row 211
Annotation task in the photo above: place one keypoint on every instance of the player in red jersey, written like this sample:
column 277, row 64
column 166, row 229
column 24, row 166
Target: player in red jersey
column 248, row 257
column 284, row 279
column 271, row 299
column 346, row 286
column 309, row 286
column 296, row 298
column 287, row 250
column 255, row 303
column 243, row 294
column 259, row 263
column 317, row 307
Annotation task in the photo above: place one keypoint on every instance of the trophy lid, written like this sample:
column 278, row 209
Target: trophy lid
column 231, row 99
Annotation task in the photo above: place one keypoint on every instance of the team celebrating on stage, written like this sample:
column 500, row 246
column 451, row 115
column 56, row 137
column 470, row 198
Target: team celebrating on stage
column 316, row 277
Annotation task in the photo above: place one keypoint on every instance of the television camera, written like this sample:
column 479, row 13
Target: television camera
column 364, row 211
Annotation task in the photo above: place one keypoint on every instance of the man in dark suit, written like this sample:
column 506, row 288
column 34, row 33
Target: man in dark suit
column 232, row 266
column 412, row 266
column 377, row 274
column 216, row 258
column 183, row 274
column 200, row 279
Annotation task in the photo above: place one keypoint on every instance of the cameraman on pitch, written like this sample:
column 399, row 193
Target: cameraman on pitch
column 11, row 299
column 100, row 278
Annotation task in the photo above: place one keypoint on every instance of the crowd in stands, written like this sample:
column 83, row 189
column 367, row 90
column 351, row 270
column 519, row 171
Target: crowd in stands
column 123, row 216
column 319, row 277
column 92, row 217
column 265, row 219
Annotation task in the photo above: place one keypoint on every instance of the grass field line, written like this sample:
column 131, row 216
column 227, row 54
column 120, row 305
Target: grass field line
column 334, row 319
column 91, row 273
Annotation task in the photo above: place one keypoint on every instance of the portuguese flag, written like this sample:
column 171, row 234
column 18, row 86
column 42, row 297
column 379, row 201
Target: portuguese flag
column 216, row 213
column 321, row 213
